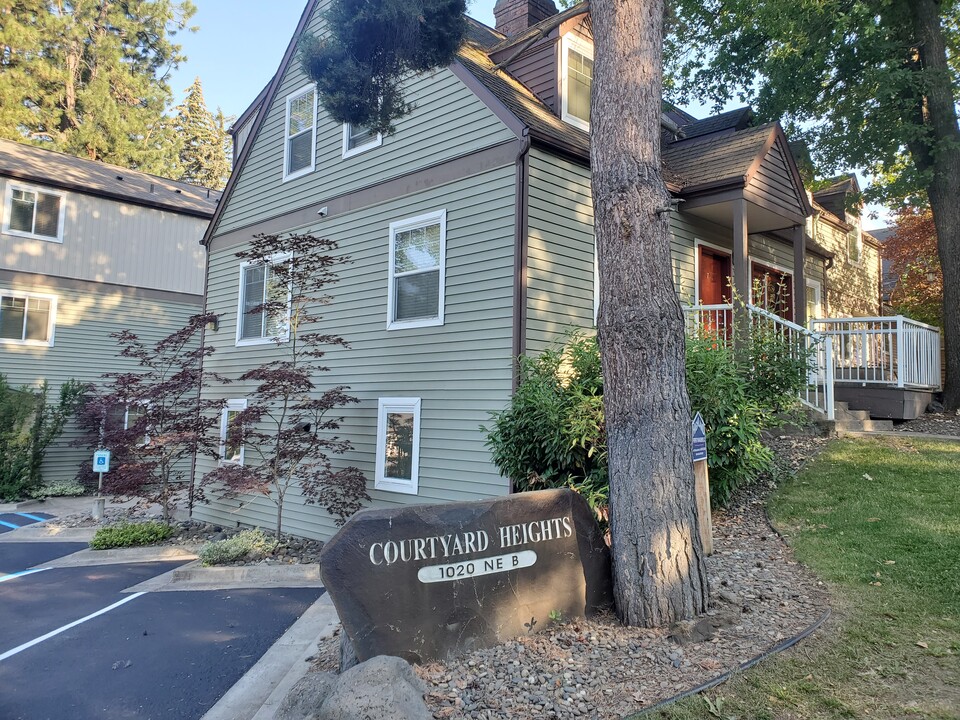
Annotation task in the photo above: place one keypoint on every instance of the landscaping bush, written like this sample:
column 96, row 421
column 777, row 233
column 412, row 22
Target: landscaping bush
column 58, row 489
column 245, row 543
column 27, row 427
column 130, row 535
column 552, row 434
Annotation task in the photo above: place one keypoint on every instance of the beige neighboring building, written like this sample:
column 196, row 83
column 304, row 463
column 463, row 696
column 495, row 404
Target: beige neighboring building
column 86, row 250
column 853, row 275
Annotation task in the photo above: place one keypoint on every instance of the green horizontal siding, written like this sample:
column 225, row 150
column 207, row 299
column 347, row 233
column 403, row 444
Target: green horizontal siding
column 462, row 370
column 448, row 121
column 83, row 350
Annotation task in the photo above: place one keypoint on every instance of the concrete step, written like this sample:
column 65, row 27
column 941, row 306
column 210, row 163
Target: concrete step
column 863, row 425
column 853, row 414
column 841, row 406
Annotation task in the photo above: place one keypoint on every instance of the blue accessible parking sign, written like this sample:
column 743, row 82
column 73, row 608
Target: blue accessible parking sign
column 699, row 449
column 101, row 461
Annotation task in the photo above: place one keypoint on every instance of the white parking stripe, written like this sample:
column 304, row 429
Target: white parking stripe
column 11, row 576
column 52, row 633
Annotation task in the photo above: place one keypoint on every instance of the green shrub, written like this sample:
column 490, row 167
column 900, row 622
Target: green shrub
column 553, row 433
column 245, row 543
column 721, row 393
column 130, row 535
column 58, row 489
column 27, row 427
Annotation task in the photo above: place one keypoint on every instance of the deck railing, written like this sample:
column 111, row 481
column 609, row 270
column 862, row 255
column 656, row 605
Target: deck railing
column 718, row 322
column 892, row 351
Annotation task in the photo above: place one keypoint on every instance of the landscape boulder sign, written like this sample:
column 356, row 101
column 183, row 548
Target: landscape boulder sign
column 425, row 582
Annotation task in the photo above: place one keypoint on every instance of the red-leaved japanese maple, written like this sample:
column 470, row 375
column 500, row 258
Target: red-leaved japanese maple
column 915, row 263
column 153, row 419
column 288, row 429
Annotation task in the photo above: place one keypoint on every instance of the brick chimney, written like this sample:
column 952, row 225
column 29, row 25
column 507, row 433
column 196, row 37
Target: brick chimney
column 515, row 16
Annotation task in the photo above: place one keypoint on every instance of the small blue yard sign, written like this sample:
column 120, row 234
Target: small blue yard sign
column 101, row 461
column 699, row 438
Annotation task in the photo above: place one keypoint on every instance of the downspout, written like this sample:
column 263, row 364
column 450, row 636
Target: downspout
column 203, row 335
column 520, row 255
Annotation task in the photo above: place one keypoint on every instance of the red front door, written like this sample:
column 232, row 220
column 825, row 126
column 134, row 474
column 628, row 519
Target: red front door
column 714, row 277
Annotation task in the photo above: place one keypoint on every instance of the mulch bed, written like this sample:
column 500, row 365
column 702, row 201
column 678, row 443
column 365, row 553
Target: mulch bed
column 932, row 423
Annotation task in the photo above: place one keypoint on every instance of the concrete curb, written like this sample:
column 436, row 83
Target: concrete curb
column 196, row 577
column 119, row 556
column 258, row 694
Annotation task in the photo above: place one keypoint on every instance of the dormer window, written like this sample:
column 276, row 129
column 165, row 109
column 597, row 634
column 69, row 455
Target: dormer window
column 576, row 77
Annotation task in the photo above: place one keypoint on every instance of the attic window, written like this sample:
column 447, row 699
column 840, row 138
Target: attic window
column 300, row 129
column 576, row 78
column 34, row 213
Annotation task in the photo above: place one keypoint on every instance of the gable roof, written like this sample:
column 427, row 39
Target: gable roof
column 709, row 159
column 729, row 121
column 542, row 28
column 66, row 172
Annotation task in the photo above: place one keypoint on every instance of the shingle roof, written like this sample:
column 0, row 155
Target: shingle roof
column 54, row 169
column 485, row 37
column 731, row 120
column 707, row 159
column 841, row 184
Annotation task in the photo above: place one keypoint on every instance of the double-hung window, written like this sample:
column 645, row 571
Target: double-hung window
column 264, row 309
column 31, row 212
column 231, row 441
column 26, row 319
column 300, row 131
column 576, row 72
column 358, row 139
column 398, row 445
column 417, row 259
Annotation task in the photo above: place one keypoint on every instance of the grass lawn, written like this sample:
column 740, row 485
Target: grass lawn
column 879, row 521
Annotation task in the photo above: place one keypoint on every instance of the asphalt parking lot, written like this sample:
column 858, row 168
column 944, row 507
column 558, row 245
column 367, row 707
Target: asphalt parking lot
column 75, row 646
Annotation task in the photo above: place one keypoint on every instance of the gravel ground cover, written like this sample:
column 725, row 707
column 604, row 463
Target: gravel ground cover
column 598, row 669
column 932, row 423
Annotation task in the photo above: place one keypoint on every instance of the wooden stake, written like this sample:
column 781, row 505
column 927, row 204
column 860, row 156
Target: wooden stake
column 701, row 478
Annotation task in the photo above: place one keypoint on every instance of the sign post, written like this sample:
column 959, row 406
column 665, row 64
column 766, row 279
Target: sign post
column 702, row 482
column 101, row 464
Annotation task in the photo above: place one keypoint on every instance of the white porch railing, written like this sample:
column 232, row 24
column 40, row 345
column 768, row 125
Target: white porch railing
column 718, row 321
column 893, row 351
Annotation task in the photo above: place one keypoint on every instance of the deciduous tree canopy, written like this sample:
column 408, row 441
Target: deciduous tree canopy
column 870, row 83
column 912, row 251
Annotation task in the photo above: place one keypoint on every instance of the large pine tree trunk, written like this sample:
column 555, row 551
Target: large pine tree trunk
column 941, row 159
column 659, row 574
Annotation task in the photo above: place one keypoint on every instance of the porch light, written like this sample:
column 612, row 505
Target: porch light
column 213, row 325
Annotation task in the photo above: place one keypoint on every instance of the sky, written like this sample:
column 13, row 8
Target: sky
column 239, row 44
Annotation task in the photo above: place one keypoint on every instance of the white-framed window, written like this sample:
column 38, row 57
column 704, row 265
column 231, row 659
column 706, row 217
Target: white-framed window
column 33, row 212
column 26, row 318
column 576, row 79
column 814, row 303
column 417, row 271
column 398, row 444
column 855, row 247
column 357, row 139
column 259, row 285
column 300, row 133
column 231, row 448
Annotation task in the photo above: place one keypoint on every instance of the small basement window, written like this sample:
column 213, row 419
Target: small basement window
column 398, row 445
column 231, row 441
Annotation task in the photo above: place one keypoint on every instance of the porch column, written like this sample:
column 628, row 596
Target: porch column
column 799, row 280
column 741, row 251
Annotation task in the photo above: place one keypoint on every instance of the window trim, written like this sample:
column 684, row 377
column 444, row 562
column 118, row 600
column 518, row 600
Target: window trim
column 8, row 210
column 51, row 321
column 574, row 42
column 433, row 218
column 312, row 87
column 262, row 340
column 697, row 244
column 385, row 406
column 233, row 404
column 348, row 152
column 818, row 286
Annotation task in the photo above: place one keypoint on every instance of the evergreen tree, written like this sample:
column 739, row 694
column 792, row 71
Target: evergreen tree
column 203, row 141
column 88, row 78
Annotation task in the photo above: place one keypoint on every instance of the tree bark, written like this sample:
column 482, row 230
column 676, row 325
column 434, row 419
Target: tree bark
column 942, row 161
column 659, row 573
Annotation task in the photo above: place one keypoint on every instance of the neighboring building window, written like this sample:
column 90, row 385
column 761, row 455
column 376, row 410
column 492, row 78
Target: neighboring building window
column 854, row 246
column 358, row 139
column 576, row 79
column 398, row 445
column 231, row 442
column 301, row 128
column 33, row 213
column 417, row 258
column 814, row 306
column 258, row 286
column 27, row 319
